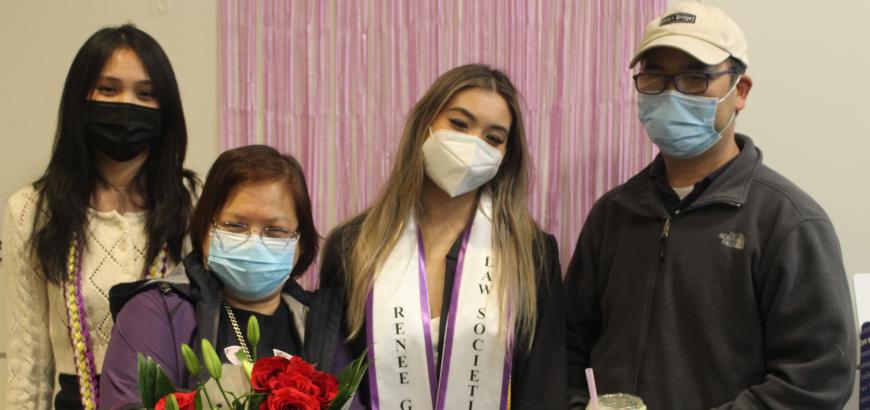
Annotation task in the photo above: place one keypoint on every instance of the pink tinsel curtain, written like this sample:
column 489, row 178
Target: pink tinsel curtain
column 339, row 77
column 238, row 54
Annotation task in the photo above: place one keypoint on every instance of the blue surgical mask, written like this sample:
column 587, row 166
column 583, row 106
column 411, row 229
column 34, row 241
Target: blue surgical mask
column 251, row 268
column 682, row 126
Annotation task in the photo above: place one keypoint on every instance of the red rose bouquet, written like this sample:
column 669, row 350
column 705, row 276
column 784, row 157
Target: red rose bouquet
column 270, row 383
column 293, row 384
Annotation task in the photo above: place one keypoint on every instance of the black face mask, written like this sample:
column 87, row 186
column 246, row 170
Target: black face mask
column 121, row 130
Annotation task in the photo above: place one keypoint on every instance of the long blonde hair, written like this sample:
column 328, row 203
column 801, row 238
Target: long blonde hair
column 515, row 234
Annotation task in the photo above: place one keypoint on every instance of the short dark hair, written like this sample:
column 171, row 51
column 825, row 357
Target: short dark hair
column 739, row 69
column 737, row 65
column 255, row 163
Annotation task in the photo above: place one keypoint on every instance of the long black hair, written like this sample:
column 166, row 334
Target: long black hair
column 69, row 181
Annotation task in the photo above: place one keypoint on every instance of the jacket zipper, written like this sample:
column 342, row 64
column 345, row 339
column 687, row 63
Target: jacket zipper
column 663, row 242
column 666, row 231
column 695, row 206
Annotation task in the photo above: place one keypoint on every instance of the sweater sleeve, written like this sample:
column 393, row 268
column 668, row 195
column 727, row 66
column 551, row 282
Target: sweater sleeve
column 144, row 325
column 541, row 385
column 31, row 361
column 810, row 343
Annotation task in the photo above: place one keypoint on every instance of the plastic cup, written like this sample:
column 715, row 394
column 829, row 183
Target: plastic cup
column 618, row 401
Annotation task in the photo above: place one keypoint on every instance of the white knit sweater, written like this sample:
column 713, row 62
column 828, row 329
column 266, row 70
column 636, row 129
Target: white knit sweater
column 39, row 345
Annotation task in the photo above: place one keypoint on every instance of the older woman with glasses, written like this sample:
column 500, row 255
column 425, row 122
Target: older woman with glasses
column 252, row 233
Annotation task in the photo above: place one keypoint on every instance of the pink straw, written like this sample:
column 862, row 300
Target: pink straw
column 593, row 394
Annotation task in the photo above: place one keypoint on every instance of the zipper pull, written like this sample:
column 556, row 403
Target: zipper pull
column 667, row 229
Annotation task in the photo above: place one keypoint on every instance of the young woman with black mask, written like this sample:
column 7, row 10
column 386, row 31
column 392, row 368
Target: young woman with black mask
column 111, row 207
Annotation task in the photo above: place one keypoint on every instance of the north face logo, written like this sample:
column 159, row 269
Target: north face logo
column 733, row 240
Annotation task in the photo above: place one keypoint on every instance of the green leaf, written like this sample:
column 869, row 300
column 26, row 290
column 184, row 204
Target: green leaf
column 197, row 400
column 349, row 380
column 171, row 403
column 146, row 383
column 153, row 381
column 242, row 356
column 246, row 363
column 190, row 360
column 249, row 368
column 163, row 384
column 211, row 359
column 359, row 367
column 339, row 401
column 255, row 400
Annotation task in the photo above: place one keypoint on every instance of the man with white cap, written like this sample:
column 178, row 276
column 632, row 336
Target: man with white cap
column 707, row 280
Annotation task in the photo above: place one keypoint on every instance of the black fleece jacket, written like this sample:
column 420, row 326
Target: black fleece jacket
column 737, row 301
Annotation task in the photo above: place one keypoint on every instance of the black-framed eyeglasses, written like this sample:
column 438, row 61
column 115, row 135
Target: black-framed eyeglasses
column 686, row 83
column 273, row 237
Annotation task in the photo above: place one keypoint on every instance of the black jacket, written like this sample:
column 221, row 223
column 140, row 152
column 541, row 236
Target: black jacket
column 738, row 300
column 538, row 375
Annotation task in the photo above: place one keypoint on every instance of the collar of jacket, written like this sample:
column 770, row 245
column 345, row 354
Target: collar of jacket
column 639, row 194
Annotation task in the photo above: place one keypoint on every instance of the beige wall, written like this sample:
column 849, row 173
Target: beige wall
column 38, row 40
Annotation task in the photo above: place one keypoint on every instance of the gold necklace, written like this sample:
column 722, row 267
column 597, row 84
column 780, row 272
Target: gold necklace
column 236, row 329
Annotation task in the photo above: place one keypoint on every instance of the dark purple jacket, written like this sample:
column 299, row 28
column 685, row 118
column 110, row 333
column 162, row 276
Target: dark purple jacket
column 155, row 317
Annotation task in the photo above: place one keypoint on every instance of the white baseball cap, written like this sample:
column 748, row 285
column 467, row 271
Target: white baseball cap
column 703, row 31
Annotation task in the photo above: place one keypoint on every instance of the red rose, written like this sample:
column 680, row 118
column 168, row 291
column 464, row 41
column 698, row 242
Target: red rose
column 295, row 380
column 289, row 398
column 321, row 385
column 297, row 365
column 274, row 373
column 185, row 401
column 265, row 370
column 327, row 386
